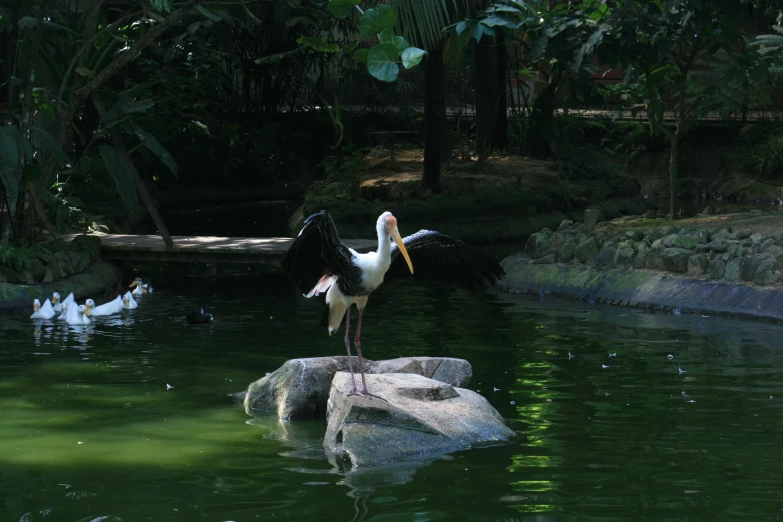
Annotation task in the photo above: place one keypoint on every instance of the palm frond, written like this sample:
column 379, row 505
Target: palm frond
column 423, row 21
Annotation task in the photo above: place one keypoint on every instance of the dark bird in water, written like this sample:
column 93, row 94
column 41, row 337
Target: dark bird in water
column 319, row 262
column 201, row 316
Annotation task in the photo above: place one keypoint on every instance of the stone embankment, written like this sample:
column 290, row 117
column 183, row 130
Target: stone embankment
column 724, row 271
column 725, row 255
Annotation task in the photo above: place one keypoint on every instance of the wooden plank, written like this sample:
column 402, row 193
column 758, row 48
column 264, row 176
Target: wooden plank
column 203, row 249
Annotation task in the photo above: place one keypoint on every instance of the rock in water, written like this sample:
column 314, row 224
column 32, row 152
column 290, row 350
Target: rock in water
column 300, row 387
column 422, row 417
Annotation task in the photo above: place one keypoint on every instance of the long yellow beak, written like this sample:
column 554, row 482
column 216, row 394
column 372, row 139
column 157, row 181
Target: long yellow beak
column 395, row 235
column 54, row 299
column 87, row 312
column 35, row 307
column 133, row 284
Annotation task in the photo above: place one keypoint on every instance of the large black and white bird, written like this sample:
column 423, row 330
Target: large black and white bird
column 319, row 262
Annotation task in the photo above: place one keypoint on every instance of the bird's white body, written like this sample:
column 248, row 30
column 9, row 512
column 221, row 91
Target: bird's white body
column 77, row 316
column 63, row 306
column 56, row 304
column 44, row 311
column 128, row 302
column 373, row 265
column 110, row 308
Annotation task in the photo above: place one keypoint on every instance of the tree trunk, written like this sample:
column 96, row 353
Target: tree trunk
column 434, row 119
column 500, row 136
column 486, row 93
column 673, row 168
column 542, row 116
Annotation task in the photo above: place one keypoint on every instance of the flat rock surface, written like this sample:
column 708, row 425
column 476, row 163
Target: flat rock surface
column 418, row 416
column 300, row 388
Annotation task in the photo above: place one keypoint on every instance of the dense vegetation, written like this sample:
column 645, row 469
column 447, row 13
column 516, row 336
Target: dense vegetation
column 106, row 101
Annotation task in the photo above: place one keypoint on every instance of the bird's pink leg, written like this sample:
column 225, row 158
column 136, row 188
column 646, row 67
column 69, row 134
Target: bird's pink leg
column 348, row 347
column 358, row 342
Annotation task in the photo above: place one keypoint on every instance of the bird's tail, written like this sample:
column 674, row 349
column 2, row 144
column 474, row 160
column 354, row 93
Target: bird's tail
column 333, row 316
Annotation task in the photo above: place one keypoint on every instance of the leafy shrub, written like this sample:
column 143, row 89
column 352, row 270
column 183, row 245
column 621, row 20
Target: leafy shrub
column 760, row 151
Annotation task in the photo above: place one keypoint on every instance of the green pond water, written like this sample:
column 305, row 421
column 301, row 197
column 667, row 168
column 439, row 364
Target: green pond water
column 90, row 432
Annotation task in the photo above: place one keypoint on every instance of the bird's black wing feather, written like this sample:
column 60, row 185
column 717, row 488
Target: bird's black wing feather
column 318, row 252
column 439, row 258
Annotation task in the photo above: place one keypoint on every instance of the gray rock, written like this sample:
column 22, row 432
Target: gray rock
column 538, row 245
column 767, row 273
column 748, row 267
column 702, row 236
column 48, row 277
column 688, row 242
column 742, row 234
column 635, row 235
column 419, row 416
column 640, row 260
column 716, row 268
column 545, row 260
column 697, row 264
column 565, row 225
column 718, row 245
column 456, row 372
column 586, row 250
column 56, row 271
column 668, row 241
column 593, row 216
column 758, row 237
column 626, row 258
column 606, row 257
column 566, row 252
column 37, row 270
column 676, row 259
column 709, row 210
column 655, row 258
column 732, row 272
column 300, row 387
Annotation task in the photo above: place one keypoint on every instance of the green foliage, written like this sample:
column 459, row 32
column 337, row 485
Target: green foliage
column 20, row 258
column 577, row 158
column 119, row 172
column 760, row 151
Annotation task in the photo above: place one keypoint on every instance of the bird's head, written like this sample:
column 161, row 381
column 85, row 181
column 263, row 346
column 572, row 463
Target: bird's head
column 136, row 282
column 36, row 305
column 389, row 224
column 125, row 300
column 89, row 306
column 83, row 310
column 55, row 298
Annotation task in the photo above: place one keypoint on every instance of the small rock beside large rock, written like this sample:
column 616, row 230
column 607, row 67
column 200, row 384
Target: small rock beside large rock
column 417, row 416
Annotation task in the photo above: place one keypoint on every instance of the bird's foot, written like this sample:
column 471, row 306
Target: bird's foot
column 365, row 393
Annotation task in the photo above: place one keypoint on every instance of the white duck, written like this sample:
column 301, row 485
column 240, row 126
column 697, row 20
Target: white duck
column 42, row 312
column 56, row 304
column 68, row 300
column 137, row 286
column 112, row 307
column 81, row 317
column 128, row 302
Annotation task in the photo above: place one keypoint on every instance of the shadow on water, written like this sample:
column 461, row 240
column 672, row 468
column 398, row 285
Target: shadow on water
column 626, row 413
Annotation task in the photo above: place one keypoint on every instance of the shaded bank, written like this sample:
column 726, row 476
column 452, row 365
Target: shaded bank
column 89, row 282
column 643, row 289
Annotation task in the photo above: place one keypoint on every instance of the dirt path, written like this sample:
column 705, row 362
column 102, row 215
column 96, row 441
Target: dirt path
column 766, row 223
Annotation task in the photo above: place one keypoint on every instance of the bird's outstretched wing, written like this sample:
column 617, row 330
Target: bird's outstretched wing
column 443, row 259
column 317, row 254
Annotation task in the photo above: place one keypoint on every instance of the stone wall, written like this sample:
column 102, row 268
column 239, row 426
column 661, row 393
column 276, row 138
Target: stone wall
column 725, row 255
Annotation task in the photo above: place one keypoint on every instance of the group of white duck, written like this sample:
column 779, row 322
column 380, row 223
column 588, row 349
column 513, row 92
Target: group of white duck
column 76, row 314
